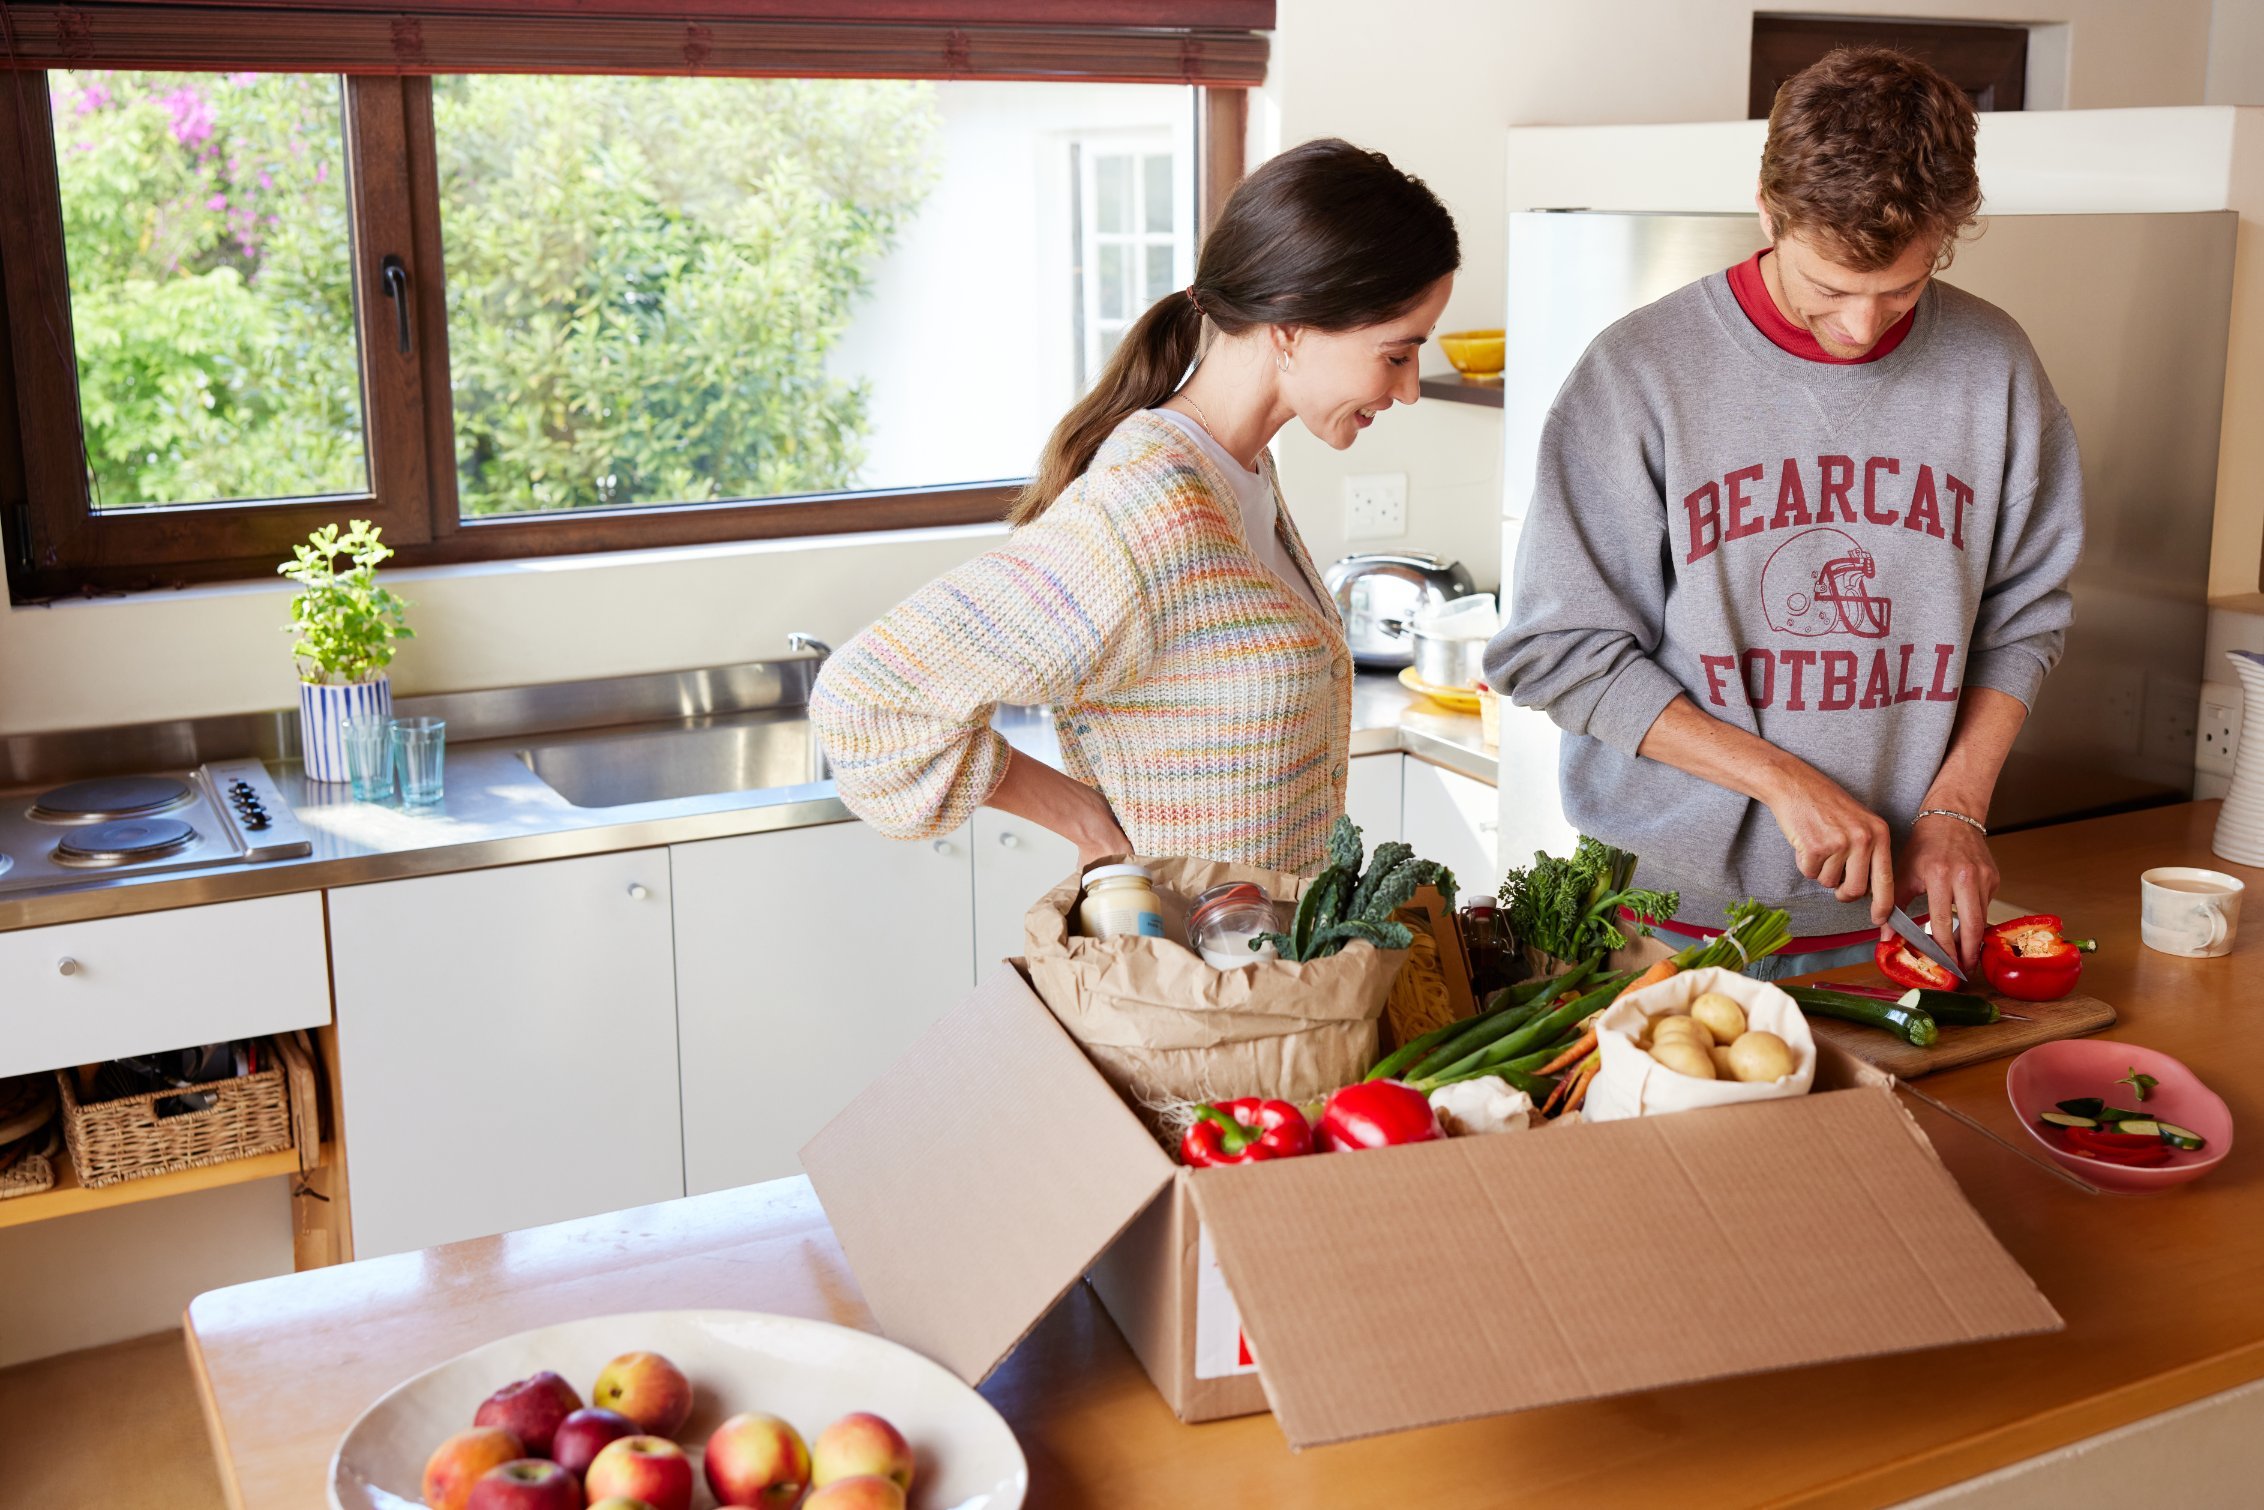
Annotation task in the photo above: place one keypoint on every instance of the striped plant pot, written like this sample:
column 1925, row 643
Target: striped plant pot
column 323, row 708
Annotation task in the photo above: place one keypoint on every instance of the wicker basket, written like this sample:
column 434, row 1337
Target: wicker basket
column 125, row 1139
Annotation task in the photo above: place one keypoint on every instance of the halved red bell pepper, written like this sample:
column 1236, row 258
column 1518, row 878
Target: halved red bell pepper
column 2032, row 959
column 1376, row 1114
column 1905, row 966
column 1246, row 1131
column 2118, row 1148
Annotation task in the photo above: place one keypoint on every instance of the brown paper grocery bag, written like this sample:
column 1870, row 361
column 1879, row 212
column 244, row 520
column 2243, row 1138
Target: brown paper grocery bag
column 1163, row 1026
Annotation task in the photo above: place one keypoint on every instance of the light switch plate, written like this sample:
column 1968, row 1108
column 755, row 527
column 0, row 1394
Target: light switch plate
column 1375, row 506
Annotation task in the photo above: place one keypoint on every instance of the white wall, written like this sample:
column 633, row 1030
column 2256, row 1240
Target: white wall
column 967, row 340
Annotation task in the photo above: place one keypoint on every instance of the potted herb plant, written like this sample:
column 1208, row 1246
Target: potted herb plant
column 346, row 626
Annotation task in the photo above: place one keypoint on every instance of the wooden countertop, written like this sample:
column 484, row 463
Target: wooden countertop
column 2158, row 1292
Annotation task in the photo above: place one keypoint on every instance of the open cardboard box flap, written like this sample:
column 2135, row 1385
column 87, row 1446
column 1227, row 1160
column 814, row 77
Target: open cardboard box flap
column 978, row 1177
column 1411, row 1286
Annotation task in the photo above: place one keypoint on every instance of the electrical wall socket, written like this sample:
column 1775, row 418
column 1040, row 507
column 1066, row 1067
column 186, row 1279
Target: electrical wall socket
column 2219, row 739
column 1375, row 506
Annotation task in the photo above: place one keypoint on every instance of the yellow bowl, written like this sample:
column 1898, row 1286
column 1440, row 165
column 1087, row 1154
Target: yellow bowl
column 1474, row 353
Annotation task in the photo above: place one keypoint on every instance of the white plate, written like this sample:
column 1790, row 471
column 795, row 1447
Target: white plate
column 809, row 1373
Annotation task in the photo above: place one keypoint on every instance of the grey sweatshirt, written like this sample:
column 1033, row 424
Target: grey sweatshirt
column 1822, row 555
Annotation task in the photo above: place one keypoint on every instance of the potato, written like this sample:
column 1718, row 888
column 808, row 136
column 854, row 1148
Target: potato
column 1721, row 1014
column 1722, row 1070
column 1685, row 1058
column 1760, row 1056
column 1684, row 1027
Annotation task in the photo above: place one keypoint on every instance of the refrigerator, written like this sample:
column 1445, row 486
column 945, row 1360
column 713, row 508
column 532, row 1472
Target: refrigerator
column 2130, row 314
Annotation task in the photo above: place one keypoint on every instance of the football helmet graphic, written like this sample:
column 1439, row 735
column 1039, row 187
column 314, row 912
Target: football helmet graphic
column 1818, row 583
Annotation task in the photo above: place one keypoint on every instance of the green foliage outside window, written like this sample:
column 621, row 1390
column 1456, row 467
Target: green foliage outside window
column 644, row 278
column 204, row 218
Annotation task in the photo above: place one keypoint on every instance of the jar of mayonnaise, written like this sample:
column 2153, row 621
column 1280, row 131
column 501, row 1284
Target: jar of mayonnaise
column 1119, row 903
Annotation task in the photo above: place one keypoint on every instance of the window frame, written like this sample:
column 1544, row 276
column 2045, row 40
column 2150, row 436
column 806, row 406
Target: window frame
column 56, row 545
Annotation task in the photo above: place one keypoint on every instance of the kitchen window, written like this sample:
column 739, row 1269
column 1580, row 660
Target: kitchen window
column 519, row 306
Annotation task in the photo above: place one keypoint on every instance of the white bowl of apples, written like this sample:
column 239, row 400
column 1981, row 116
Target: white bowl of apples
column 682, row 1410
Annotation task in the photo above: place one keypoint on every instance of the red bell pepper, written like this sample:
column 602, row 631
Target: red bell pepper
column 1246, row 1131
column 1905, row 966
column 2032, row 959
column 1376, row 1114
column 2118, row 1148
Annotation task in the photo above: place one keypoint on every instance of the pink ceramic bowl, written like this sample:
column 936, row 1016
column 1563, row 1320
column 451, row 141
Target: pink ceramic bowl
column 2071, row 1067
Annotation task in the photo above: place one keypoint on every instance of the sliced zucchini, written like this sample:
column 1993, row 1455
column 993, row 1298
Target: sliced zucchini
column 2113, row 1114
column 2179, row 1137
column 2139, row 1127
column 2067, row 1119
column 1912, row 1027
column 2084, row 1106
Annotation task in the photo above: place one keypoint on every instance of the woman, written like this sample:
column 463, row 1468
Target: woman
column 1154, row 591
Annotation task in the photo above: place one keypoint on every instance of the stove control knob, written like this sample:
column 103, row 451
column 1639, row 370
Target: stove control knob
column 66, row 966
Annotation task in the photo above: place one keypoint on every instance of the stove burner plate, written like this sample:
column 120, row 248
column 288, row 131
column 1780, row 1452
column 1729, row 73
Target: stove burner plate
column 125, row 842
column 110, row 797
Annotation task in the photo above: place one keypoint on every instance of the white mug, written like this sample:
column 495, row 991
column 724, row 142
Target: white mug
column 2186, row 910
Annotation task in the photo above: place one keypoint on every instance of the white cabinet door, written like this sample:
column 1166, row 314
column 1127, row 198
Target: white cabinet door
column 1454, row 820
column 1016, row 862
column 807, row 960
column 1372, row 797
column 75, row 993
column 507, row 1040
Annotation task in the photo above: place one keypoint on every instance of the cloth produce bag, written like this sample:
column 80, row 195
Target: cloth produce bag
column 1162, row 1026
column 1630, row 1083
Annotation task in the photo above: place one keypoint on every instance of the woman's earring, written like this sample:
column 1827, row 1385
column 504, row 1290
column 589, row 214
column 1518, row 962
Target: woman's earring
column 1281, row 362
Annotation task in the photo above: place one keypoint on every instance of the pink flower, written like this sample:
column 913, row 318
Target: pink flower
column 322, row 173
column 217, row 202
column 192, row 115
column 92, row 98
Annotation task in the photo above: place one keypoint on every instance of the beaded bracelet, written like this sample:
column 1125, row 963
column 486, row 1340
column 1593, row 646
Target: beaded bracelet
column 1943, row 812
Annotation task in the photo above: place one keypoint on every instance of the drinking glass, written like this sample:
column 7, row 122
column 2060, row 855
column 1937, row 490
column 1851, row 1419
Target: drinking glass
column 369, row 757
column 418, row 748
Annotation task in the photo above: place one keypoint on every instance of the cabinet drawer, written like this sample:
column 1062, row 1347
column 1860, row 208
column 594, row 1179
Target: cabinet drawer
column 75, row 993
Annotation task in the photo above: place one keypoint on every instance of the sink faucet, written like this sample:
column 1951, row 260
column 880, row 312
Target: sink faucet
column 808, row 644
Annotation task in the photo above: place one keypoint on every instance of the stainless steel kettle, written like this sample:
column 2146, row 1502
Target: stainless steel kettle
column 1379, row 596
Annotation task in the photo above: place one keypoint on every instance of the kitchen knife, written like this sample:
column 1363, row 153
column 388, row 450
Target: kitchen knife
column 1917, row 938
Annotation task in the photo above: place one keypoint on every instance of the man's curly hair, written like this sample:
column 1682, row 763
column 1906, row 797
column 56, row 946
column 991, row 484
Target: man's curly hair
column 1870, row 150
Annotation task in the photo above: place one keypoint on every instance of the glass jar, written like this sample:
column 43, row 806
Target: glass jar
column 1226, row 919
column 1119, row 903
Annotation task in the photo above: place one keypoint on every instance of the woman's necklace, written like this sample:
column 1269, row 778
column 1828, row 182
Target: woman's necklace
column 1200, row 419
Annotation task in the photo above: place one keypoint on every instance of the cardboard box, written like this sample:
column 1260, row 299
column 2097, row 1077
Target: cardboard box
column 988, row 1170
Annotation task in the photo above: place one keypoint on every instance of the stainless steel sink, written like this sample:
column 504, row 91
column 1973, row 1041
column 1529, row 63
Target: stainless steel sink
column 658, row 763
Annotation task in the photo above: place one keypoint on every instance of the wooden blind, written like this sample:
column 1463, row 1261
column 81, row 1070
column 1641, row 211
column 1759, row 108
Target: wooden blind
column 1218, row 43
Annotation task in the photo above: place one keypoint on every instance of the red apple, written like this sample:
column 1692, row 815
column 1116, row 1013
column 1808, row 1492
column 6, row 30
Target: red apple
column 648, row 1389
column 530, row 1410
column 861, row 1443
column 583, row 1435
column 867, row 1491
column 456, row 1464
column 616, row 1502
column 526, row 1484
column 754, row 1459
column 652, row 1469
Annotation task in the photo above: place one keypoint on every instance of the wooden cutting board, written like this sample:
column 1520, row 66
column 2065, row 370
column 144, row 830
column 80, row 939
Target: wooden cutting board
column 2069, row 1017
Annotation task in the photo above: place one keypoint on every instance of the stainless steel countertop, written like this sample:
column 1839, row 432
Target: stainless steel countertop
column 498, row 812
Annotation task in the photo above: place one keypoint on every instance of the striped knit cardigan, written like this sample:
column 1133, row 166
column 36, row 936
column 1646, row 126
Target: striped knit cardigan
column 1208, row 700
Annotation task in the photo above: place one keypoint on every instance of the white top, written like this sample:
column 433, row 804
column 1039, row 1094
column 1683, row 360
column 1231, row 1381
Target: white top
column 1255, row 495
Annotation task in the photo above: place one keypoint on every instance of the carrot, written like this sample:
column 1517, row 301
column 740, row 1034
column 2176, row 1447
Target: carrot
column 1580, row 1083
column 1581, row 1048
column 1652, row 976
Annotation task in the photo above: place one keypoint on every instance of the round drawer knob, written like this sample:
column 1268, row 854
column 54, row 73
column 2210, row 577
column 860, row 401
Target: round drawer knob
column 638, row 891
column 946, row 848
column 66, row 966
column 1010, row 841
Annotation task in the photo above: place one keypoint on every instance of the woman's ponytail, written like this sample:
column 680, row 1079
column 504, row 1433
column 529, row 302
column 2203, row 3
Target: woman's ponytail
column 1145, row 369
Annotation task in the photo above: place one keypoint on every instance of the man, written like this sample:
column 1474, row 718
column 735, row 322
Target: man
column 1797, row 558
